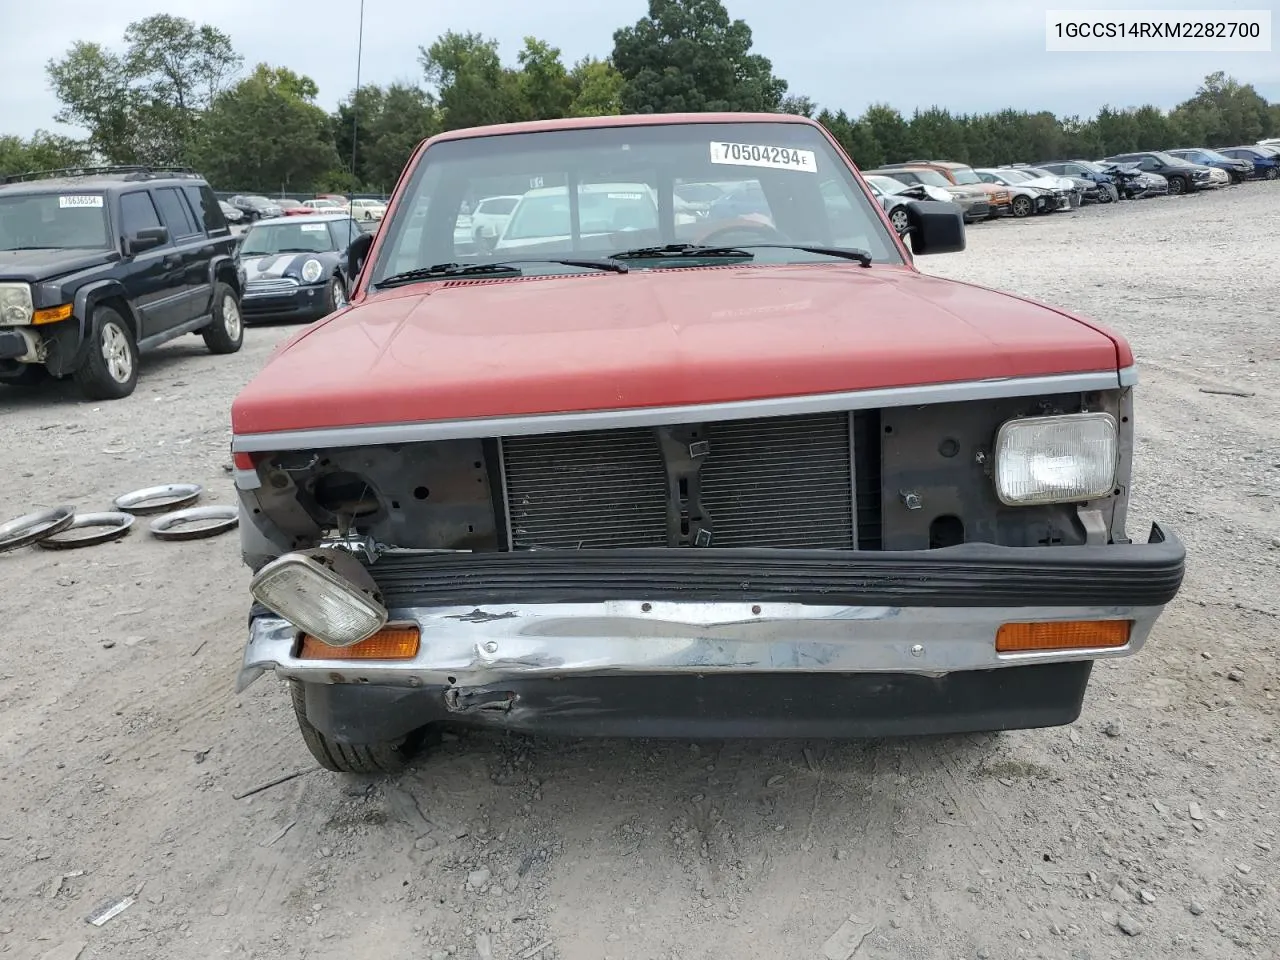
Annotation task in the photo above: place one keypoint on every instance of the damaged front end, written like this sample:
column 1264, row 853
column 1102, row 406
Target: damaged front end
column 938, row 567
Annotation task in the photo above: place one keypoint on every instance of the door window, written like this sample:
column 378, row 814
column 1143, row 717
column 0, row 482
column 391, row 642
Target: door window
column 137, row 212
column 173, row 208
column 208, row 214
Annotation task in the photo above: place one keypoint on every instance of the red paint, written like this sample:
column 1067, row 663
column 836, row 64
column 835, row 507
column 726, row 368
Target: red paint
column 666, row 337
column 242, row 461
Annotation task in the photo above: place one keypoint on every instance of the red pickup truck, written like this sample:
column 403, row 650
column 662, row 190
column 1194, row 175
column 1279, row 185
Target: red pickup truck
column 637, row 470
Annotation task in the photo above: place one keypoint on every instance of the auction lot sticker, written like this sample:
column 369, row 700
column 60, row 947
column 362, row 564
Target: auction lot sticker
column 760, row 155
column 80, row 200
column 313, row 228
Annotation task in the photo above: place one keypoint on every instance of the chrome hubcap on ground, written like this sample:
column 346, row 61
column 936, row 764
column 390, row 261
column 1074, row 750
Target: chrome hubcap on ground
column 115, row 351
column 231, row 317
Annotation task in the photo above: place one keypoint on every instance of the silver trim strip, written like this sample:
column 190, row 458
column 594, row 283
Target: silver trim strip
column 467, row 646
column 963, row 391
column 1129, row 377
column 246, row 479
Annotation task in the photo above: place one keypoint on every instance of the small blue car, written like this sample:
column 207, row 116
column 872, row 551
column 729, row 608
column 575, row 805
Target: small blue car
column 1265, row 160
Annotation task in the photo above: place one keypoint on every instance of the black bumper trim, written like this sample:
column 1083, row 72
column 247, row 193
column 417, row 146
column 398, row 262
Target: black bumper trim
column 12, row 345
column 715, row 706
column 969, row 575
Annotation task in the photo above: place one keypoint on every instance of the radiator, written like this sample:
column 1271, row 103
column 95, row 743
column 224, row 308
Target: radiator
column 785, row 482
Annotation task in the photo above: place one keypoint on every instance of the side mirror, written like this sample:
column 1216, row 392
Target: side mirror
column 356, row 254
column 936, row 227
column 147, row 239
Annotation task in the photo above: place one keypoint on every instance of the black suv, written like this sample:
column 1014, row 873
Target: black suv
column 1183, row 175
column 100, row 264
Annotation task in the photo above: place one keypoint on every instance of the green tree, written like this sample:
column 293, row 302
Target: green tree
column 265, row 133
column 1225, row 112
column 407, row 118
column 469, row 82
column 597, row 89
column 544, row 81
column 43, row 151
column 801, row 106
column 891, row 132
column 687, row 55
column 143, row 105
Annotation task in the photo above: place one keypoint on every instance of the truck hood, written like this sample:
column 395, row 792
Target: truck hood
column 34, row 266
column 462, row 349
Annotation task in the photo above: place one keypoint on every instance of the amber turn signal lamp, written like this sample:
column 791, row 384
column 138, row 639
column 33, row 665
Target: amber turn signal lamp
column 1062, row 635
column 52, row 314
column 392, row 642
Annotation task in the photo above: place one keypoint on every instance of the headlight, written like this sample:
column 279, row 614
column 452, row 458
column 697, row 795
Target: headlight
column 1058, row 459
column 16, row 308
column 325, row 593
column 312, row 270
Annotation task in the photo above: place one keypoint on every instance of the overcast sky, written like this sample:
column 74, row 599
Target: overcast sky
column 967, row 55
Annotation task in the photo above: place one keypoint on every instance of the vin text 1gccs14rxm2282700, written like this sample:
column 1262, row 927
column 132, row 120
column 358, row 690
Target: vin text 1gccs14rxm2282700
column 690, row 448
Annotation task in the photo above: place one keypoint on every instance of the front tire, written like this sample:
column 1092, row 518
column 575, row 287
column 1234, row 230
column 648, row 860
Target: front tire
column 110, row 371
column 1021, row 207
column 901, row 222
column 1177, row 186
column 225, row 334
column 368, row 758
column 1271, row 173
column 335, row 296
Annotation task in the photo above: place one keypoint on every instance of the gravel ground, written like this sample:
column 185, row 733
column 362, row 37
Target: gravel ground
column 1148, row 829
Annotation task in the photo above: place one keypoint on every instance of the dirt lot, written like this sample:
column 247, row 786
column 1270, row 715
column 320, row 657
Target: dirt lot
column 1148, row 829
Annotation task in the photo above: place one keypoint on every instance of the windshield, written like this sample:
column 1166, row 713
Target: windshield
column 499, row 206
column 964, row 175
column 1167, row 158
column 1090, row 166
column 931, row 177
column 263, row 239
column 54, row 222
column 1014, row 176
column 887, row 184
column 597, row 191
column 1212, row 155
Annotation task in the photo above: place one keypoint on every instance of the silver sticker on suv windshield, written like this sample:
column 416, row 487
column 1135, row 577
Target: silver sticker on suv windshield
column 760, row 155
column 80, row 200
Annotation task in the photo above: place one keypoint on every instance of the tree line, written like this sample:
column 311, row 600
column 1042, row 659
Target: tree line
column 177, row 92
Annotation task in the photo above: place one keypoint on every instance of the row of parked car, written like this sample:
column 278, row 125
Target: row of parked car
column 248, row 208
column 1023, row 190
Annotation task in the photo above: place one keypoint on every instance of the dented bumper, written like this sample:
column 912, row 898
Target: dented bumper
column 905, row 629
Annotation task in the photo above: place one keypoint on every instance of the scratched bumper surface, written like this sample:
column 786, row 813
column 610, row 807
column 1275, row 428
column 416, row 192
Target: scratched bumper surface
column 464, row 646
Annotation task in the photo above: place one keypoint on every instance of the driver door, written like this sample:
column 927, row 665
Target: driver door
column 152, row 279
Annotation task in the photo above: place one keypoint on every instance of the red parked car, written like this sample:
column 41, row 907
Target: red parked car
column 294, row 208
column 635, row 472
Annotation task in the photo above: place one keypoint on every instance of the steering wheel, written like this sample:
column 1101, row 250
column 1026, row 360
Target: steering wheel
column 748, row 232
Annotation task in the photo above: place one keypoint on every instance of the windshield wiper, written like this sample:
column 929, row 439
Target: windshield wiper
column 498, row 267
column 675, row 250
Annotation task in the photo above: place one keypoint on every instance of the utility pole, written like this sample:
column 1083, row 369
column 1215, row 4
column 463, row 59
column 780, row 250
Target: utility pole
column 355, row 105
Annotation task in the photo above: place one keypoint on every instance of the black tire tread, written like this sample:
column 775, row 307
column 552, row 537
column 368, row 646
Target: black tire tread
column 215, row 334
column 367, row 758
column 91, row 376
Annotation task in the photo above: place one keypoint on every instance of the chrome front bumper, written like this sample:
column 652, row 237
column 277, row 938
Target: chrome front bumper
column 466, row 646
